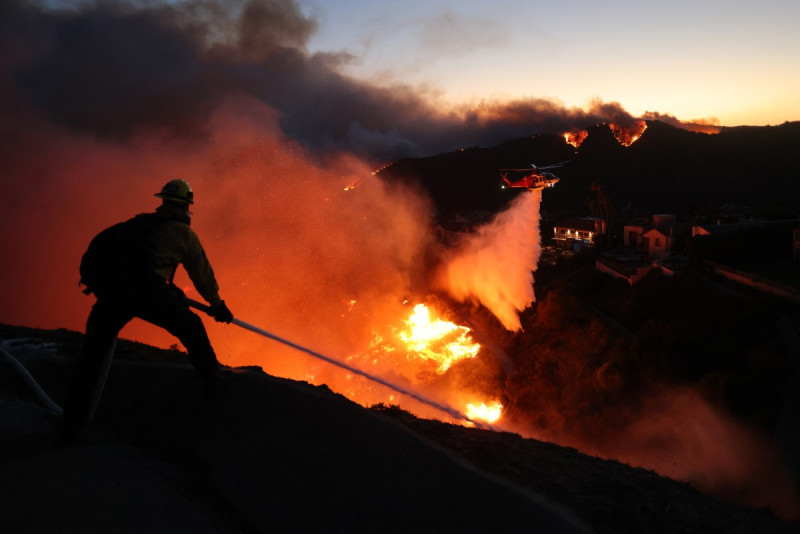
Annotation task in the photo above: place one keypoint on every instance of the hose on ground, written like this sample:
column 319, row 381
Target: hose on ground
column 413, row 394
column 37, row 390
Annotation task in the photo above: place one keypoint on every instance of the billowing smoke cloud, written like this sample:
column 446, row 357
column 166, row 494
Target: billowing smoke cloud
column 708, row 126
column 104, row 102
column 314, row 252
column 117, row 69
column 494, row 265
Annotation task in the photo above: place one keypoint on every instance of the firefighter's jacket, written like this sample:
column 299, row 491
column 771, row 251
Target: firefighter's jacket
column 177, row 244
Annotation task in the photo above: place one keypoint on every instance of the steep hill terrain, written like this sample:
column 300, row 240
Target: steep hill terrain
column 668, row 170
column 268, row 454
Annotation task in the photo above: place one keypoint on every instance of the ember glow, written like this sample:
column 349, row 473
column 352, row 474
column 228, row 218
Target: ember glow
column 627, row 134
column 424, row 345
column 293, row 252
column 576, row 138
column 437, row 340
column 485, row 412
column 419, row 352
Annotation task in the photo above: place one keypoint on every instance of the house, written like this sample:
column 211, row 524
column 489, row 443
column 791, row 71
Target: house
column 720, row 229
column 575, row 233
column 630, row 269
column 777, row 233
column 657, row 242
column 654, row 238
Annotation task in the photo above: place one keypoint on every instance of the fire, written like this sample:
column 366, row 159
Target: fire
column 352, row 185
column 421, row 350
column 575, row 138
column 628, row 134
column 437, row 340
column 483, row 412
column 386, row 166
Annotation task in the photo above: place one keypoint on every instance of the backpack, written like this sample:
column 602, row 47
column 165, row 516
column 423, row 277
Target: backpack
column 122, row 258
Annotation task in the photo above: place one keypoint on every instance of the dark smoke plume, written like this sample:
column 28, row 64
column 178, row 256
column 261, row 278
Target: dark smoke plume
column 103, row 102
column 120, row 69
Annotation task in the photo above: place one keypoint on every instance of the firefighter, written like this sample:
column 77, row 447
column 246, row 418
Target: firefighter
column 166, row 238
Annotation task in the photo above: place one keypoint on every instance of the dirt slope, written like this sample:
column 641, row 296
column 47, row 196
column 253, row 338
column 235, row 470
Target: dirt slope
column 272, row 454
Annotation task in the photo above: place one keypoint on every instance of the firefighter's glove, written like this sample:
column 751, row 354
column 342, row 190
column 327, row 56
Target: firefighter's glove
column 221, row 313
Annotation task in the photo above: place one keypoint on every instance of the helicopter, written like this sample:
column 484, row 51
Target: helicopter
column 533, row 179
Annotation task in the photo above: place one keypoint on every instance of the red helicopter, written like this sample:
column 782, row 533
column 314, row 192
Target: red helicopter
column 534, row 178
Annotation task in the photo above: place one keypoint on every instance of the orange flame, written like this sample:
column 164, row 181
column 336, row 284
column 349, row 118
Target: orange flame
column 485, row 412
column 437, row 340
column 626, row 135
column 575, row 138
column 425, row 347
column 702, row 126
column 386, row 166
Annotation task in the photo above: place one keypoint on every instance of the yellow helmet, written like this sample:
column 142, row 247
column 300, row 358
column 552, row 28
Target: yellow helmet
column 177, row 191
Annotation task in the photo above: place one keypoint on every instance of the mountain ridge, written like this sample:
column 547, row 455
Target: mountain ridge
column 668, row 169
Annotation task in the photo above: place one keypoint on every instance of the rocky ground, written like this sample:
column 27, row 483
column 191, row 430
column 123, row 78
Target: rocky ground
column 273, row 454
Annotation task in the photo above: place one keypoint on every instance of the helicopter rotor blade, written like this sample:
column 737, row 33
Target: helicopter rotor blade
column 555, row 165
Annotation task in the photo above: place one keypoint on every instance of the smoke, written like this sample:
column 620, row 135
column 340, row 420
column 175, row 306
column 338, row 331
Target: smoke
column 103, row 102
column 707, row 126
column 580, row 384
column 118, row 69
column 292, row 250
column 494, row 265
column 680, row 435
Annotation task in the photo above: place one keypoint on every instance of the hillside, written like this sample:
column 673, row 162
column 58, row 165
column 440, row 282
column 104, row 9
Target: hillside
column 668, row 170
column 269, row 454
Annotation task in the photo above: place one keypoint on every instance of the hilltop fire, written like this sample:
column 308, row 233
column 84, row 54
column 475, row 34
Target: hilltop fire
column 575, row 138
column 628, row 134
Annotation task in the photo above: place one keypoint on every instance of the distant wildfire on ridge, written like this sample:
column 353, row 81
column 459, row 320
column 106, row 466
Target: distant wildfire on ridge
column 627, row 134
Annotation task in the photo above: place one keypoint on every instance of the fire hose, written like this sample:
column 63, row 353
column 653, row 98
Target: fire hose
column 51, row 406
column 40, row 394
column 260, row 331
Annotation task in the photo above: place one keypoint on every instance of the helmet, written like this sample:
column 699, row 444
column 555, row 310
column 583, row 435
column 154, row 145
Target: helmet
column 177, row 191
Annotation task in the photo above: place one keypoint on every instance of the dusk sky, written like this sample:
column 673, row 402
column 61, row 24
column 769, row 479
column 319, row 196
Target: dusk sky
column 279, row 112
column 387, row 80
column 110, row 99
column 734, row 60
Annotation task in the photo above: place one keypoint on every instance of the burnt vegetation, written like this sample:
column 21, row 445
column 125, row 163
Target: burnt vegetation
column 595, row 351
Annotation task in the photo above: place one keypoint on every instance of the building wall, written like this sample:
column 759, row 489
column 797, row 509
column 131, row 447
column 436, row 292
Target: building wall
column 630, row 274
column 632, row 236
column 657, row 244
column 567, row 237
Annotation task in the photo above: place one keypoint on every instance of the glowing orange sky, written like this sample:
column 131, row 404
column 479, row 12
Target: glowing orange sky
column 737, row 61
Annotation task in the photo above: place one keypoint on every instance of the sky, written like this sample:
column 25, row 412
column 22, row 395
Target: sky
column 111, row 99
column 385, row 80
column 737, row 61
column 277, row 112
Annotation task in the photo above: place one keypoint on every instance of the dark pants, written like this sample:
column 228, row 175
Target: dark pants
column 164, row 307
